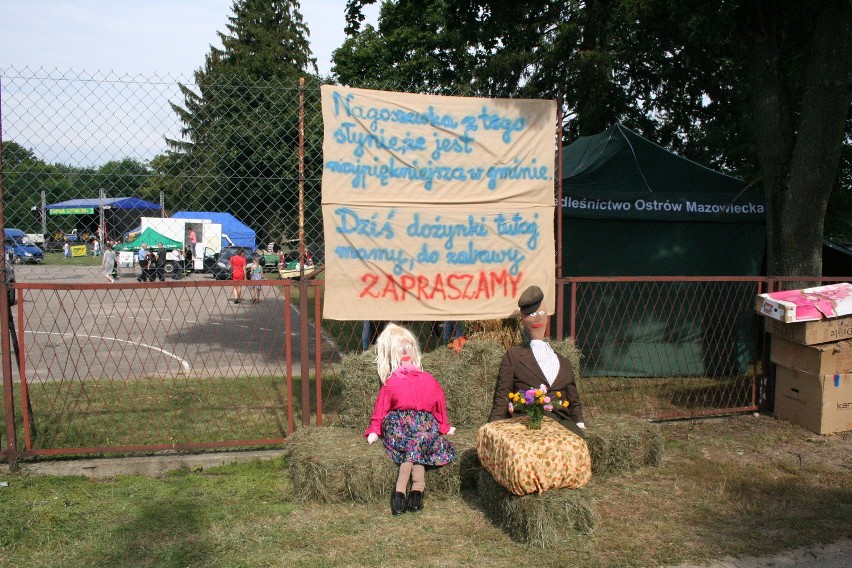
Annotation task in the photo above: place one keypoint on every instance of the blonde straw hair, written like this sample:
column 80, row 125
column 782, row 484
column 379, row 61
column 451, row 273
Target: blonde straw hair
column 388, row 346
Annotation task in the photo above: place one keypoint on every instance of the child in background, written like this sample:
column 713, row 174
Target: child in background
column 256, row 274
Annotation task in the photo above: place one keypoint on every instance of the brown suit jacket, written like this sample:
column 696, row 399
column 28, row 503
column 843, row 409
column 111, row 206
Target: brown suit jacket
column 520, row 371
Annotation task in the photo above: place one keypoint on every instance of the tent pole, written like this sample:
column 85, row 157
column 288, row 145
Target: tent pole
column 560, row 292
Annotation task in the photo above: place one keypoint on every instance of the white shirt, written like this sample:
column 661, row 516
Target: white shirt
column 546, row 359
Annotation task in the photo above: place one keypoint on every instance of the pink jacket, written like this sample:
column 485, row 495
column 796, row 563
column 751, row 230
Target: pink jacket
column 409, row 388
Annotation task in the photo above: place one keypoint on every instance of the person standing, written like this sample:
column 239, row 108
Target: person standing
column 96, row 247
column 161, row 262
column 370, row 331
column 256, row 274
column 238, row 273
column 142, row 261
column 66, row 249
column 177, row 273
column 108, row 264
column 149, row 268
column 187, row 258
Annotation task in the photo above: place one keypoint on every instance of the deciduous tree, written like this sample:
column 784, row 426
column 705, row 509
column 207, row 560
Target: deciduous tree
column 761, row 89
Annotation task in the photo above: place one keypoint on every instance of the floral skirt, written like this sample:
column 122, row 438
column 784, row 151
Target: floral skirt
column 411, row 435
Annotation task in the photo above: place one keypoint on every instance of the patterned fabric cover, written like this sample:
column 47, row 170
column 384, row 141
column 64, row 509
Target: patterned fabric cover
column 527, row 461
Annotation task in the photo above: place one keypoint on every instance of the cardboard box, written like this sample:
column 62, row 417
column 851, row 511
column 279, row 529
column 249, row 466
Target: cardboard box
column 824, row 359
column 809, row 304
column 811, row 332
column 820, row 403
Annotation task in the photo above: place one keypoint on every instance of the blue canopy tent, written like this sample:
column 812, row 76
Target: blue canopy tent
column 238, row 232
column 119, row 214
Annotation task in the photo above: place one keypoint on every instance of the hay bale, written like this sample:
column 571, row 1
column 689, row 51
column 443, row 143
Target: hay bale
column 619, row 443
column 568, row 349
column 505, row 332
column 469, row 466
column 358, row 384
column 468, row 379
column 335, row 465
column 537, row 520
column 331, row 465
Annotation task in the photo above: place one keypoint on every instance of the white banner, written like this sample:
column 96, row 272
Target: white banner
column 435, row 207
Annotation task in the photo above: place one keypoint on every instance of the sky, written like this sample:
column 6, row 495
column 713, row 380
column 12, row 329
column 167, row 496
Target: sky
column 149, row 46
column 164, row 37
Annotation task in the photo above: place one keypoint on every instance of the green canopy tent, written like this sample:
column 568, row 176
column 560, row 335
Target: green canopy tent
column 152, row 238
column 632, row 208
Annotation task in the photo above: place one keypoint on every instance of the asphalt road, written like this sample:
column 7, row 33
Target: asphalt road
column 118, row 331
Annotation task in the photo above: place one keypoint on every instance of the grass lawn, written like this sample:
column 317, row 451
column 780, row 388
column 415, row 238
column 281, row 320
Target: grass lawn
column 735, row 486
column 115, row 413
column 58, row 259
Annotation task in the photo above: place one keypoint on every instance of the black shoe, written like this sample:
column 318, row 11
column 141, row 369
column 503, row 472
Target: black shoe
column 398, row 503
column 415, row 501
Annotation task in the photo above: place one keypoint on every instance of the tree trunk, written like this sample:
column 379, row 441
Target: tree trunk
column 799, row 151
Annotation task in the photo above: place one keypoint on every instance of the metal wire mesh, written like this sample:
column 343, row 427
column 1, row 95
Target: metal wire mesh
column 667, row 347
column 109, row 367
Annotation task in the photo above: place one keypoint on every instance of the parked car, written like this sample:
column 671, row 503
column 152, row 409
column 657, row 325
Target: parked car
column 219, row 264
column 21, row 248
column 290, row 249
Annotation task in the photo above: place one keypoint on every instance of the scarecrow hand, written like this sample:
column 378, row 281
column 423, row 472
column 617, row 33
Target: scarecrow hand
column 451, row 431
column 372, row 437
column 581, row 425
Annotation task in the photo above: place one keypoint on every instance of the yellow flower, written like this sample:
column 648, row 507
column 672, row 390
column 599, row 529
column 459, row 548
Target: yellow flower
column 564, row 404
column 537, row 392
column 559, row 394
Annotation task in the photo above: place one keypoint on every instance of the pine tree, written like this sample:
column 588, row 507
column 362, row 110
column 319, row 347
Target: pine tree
column 240, row 148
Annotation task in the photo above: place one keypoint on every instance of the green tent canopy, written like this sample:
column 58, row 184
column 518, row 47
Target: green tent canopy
column 632, row 208
column 152, row 238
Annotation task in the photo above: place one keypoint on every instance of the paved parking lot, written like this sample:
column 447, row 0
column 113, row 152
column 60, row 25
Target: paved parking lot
column 126, row 330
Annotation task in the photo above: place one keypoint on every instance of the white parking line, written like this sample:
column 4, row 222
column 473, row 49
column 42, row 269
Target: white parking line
column 183, row 362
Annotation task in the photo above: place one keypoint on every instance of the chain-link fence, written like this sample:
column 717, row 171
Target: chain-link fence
column 158, row 355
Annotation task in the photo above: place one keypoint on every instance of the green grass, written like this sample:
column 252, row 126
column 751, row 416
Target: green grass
column 109, row 413
column 155, row 411
column 57, row 259
column 726, row 487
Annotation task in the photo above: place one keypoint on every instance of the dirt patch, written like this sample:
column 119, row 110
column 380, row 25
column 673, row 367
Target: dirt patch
column 756, row 439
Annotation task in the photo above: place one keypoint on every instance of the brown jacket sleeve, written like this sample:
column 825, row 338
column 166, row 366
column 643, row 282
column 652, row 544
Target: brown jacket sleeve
column 505, row 385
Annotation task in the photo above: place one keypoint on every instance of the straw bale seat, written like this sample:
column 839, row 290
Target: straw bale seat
column 335, row 464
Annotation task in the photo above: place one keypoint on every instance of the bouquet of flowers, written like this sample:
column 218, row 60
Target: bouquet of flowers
column 535, row 402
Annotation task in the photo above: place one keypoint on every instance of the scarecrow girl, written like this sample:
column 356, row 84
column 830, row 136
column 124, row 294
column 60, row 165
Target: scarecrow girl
column 410, row 414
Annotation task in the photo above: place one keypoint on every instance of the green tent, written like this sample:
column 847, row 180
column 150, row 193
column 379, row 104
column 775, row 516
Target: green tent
column 632, row 208
column 152, row 238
